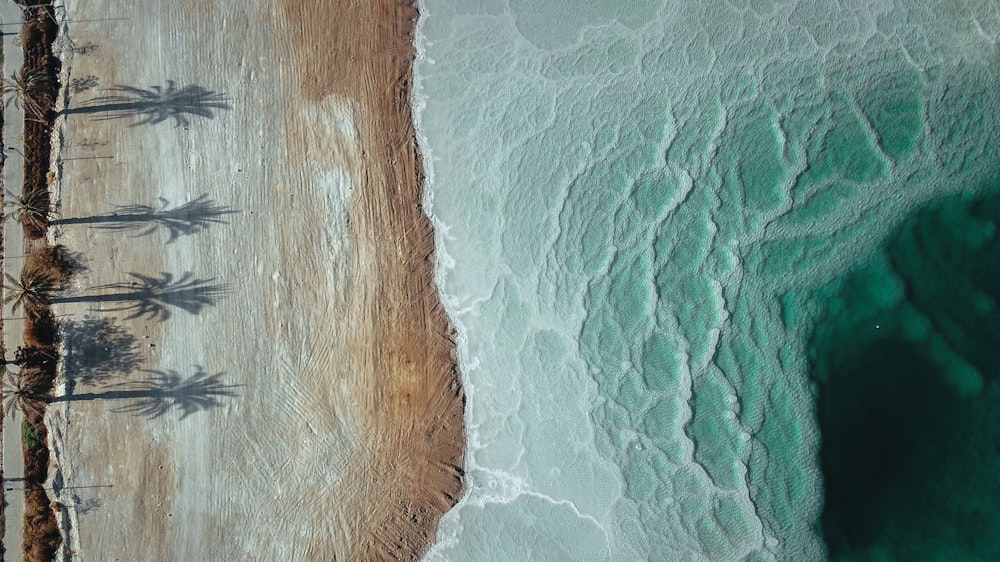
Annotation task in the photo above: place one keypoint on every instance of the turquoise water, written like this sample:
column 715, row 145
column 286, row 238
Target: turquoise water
column 717, row 272
column 909, row 391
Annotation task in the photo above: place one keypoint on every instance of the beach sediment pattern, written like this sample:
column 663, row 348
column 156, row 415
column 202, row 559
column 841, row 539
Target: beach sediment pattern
column 651, row 221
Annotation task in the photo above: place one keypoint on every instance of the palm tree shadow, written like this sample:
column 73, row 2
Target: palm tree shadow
column 164, row 392
column 190, row 218
column 154, row 297
column 156, row 104
column 86, row 506
column 97, row 349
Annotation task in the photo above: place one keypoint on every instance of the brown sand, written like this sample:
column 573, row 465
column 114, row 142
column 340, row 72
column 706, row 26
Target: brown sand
column 403, row 353
column 345, row 438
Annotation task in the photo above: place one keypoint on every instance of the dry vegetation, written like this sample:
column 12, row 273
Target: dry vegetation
column 38, row 89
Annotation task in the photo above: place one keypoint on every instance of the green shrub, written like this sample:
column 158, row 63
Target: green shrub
column 30, row 434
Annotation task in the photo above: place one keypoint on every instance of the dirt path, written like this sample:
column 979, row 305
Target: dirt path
column 273, row 381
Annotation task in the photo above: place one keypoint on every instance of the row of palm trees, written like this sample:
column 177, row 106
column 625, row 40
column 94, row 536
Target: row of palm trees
column 35, row 289
column 22, row 90
column 25, row 390
column 32, row 290
column 21, row 390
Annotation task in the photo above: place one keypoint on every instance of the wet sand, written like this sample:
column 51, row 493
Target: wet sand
column 299, row 326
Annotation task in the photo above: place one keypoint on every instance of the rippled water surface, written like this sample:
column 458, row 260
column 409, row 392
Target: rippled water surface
column 686, row 243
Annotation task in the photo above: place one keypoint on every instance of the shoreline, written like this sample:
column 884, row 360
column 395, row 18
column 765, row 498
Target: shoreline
column 417, row 411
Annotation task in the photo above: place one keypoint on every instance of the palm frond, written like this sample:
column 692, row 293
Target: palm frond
column 31, row 291
column 23, row 89
column 23, row 391
column 30, row 208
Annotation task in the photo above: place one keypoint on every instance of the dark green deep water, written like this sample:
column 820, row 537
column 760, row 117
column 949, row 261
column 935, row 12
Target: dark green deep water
column 906, row 363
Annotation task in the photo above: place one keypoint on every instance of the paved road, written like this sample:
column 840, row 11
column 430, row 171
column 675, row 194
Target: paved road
column 12, row 180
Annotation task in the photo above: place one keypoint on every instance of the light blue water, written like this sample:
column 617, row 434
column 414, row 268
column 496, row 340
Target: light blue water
column 637, row 203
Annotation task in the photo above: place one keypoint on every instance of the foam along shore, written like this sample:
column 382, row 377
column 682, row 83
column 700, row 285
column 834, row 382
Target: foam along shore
column 276, row 380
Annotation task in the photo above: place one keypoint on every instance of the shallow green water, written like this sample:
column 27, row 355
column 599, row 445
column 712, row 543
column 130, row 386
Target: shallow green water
column 667, row 231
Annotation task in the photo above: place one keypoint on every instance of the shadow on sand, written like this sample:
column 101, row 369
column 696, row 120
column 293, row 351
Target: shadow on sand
column 164, row 392
column 155, row 105
column 98, row 349
column 190, row 218
column 154, row 297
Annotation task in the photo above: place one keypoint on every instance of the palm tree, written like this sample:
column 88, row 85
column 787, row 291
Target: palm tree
column 24, row 391
column 22, row 90
column 31, row 208
column 33, row 290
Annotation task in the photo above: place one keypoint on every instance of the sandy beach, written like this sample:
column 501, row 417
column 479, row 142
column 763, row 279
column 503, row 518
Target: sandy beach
column 256, row 362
